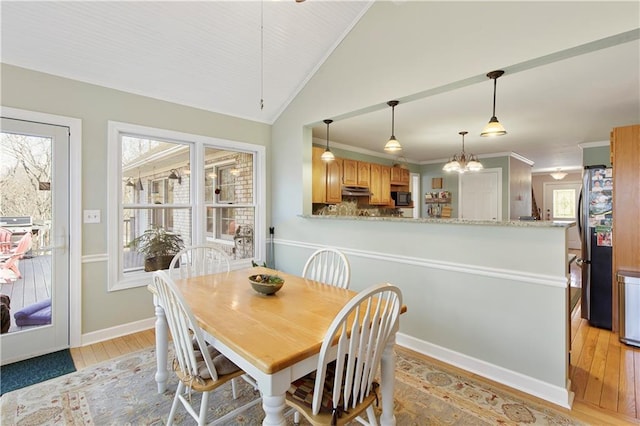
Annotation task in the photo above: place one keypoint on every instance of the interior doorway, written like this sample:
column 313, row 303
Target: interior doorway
column 560, row 203
column 481, row 195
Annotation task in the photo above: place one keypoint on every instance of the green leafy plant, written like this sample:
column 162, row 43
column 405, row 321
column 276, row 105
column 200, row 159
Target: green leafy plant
column 159, row 246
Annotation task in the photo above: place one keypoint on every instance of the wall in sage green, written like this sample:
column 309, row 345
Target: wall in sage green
column 353, row 78
column 596, row 155
column 95, row 106
column 450, row 183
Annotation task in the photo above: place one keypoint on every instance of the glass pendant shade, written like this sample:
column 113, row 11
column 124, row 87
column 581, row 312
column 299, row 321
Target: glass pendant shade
column 474, row 165
column 393, row 145
column 493, row 128
column 327, row 155
column 452, row 166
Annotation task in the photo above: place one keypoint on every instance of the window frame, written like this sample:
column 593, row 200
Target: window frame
column 116, row 278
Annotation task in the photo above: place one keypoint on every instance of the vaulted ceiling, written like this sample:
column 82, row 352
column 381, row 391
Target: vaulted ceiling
column 227, row 56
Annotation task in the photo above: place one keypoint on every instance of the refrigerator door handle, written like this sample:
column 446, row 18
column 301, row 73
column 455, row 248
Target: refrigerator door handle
column 580, row 214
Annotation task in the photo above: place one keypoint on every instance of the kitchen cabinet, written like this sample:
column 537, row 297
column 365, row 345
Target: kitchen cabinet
column 318, row 176
column 625, row 153
column 399, row 176
column 355, row 173
column 326, row 178
column 380, row 184
column 364, row 172
column 334, row 181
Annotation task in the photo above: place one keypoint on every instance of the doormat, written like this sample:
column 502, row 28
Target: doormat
column 35, row 370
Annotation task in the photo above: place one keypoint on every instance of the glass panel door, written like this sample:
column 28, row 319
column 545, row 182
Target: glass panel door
column 34, row 216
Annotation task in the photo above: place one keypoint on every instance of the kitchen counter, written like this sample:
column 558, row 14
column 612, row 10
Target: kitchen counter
column 452, row 221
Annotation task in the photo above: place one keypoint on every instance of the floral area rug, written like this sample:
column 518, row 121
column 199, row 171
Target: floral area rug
column 123, row 392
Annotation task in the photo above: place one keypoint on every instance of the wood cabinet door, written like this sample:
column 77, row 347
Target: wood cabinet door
column 380, row 185
column 318, row 176
column 350, row 172
column 396, row 175
column 364, row 170
column 334, row 181
column 385, row 185
column 406, row 175
column 375, row 184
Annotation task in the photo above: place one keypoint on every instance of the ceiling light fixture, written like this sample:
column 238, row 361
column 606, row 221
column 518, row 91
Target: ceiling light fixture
column 130, row 182
column 461, row 163
column 493, row 127
column 393, row 145
column 558, row 175
column 175, row 175
column 327, row 155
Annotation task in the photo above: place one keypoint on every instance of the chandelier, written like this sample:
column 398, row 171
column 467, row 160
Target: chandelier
column 463, row 163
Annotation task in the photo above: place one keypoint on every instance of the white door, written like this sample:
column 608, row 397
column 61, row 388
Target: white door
column 480, row 195
column 560, row 201
column 34, row 176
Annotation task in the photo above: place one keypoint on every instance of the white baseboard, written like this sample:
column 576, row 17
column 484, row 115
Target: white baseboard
column 554, row 394
column 118, row 331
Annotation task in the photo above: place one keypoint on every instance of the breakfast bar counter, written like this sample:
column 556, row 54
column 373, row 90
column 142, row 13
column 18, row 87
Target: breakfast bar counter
column 449, row 221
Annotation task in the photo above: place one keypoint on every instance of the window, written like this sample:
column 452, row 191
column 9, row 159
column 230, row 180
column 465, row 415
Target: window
column 154, row 183
column 564, row 205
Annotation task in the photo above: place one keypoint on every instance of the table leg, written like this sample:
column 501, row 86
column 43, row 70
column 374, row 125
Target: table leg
column 387, row 372
column 162, row 348
column 273, row 406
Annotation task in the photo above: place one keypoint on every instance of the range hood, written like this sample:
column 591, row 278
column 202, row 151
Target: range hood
column 355, row 191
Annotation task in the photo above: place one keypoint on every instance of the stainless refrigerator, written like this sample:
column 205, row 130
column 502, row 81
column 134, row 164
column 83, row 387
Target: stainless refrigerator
column 595, row 223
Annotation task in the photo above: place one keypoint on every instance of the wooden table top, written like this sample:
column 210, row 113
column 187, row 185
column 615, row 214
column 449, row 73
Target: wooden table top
column 272, row 332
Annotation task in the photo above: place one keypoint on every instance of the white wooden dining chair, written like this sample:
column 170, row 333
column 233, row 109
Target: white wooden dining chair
column 199, row 367
column 329, row 266
column 343, row 386
column 199, row 260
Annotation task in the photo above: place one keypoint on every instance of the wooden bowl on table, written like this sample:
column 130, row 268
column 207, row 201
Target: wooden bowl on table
column 266, row 284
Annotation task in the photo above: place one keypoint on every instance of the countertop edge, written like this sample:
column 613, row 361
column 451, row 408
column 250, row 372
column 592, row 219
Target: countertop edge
column 453, row 221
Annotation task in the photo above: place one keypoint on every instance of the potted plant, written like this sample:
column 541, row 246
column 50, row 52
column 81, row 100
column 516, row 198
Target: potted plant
column 159, row 247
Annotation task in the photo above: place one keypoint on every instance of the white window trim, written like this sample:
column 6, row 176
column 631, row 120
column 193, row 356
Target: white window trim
column 116, row 279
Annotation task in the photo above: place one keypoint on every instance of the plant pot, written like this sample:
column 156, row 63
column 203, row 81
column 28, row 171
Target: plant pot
column 157, row 263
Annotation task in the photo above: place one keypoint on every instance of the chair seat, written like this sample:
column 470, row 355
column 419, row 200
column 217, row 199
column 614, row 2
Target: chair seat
column 205, row 385
column 300, row 397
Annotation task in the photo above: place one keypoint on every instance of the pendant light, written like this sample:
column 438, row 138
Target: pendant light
column 493, row 127
column 393, row 145
column 327, row 155
column 461, row 163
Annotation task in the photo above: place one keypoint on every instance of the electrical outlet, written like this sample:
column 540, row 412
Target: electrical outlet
column 92, row 216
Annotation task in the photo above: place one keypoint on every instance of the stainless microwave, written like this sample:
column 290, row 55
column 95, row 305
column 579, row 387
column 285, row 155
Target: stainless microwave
column 401, row 198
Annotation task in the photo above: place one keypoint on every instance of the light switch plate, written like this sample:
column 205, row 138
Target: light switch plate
column 92, row 216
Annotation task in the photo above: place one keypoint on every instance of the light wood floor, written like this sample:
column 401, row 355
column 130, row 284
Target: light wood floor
column 605, row 374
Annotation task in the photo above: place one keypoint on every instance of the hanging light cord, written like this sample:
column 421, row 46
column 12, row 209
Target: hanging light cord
column 262, row 57
column 393, row 117
column 494, row 96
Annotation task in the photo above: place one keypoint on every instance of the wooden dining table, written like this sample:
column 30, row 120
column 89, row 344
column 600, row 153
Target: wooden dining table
column 275, row 339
